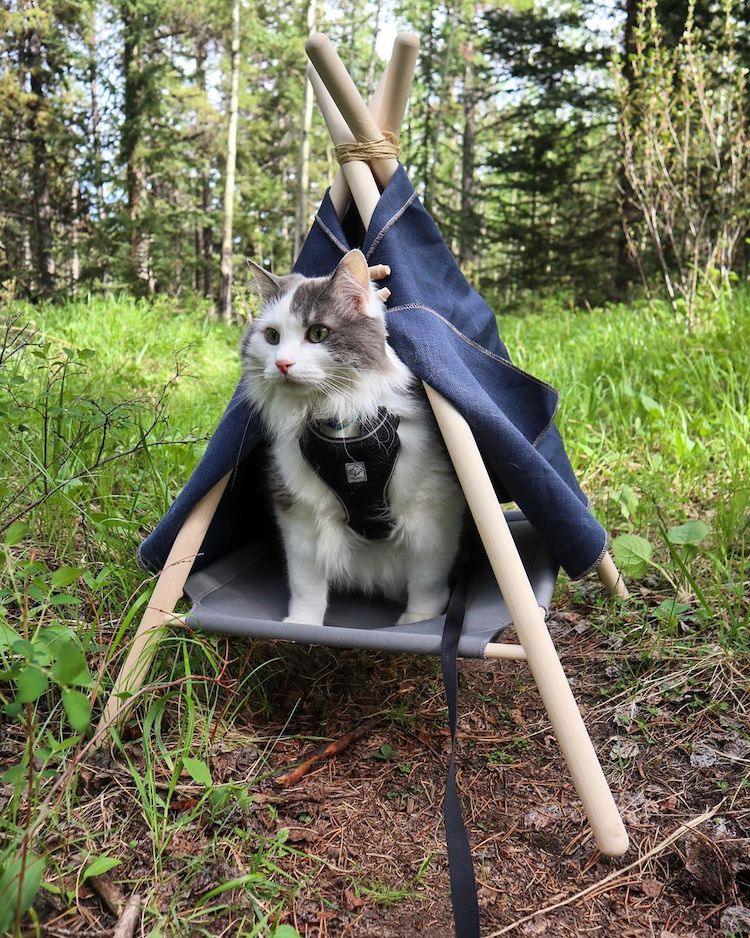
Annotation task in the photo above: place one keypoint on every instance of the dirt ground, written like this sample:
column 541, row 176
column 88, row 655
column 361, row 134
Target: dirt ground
column 368, row 854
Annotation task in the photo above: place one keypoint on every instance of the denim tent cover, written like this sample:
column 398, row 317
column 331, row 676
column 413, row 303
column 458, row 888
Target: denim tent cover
column 447, row 335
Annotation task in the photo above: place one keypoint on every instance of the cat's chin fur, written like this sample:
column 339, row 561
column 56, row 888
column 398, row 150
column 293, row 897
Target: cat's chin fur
column 287, row 406
column 413, row 564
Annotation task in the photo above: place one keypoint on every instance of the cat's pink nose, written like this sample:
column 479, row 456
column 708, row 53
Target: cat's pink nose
column 283, row 364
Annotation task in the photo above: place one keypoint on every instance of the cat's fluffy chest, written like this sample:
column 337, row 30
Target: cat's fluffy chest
column 417, row 489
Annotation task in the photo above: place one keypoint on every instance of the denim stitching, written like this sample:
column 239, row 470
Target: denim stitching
column 598, row 560
column 390, row 223
column 331, row 235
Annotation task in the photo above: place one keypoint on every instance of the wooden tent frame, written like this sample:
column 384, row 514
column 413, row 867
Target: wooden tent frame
column 349, row 120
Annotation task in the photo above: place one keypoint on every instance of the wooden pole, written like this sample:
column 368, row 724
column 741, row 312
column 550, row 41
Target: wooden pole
column 360, row 121
column 225, row 282
column 513, row 581
column 166, row 594
column 611, row 577
column 388, row 104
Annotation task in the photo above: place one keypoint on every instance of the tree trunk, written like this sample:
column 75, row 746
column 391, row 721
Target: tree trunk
column 131, row 147
column 96, row 139
column 208, row 237
column 200, row 241
column 425, row 158
column 467, row 224
column 39, row 169
column 225, row 285
column 75, row 260
column 303, row 169
column 26, row 249
column 623, row 274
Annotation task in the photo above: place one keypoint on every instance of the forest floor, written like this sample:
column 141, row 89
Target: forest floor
column 183, row 808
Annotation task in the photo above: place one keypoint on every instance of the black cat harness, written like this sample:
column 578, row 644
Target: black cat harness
column 357, row 469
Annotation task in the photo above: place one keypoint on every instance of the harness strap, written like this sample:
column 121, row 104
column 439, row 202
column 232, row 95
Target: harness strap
column 460, row 866
column 358, row 470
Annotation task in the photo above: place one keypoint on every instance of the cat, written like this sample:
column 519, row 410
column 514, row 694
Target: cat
column 335, row 400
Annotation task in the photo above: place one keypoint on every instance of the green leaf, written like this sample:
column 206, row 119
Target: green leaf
column 198, row 770
column 632, row 554
column 77, row 709
column 13, row 710
column 285, row 931
column 14, row 775
column 219, row 797
column 23, row 647
column 64, row 576
column 670, row 609
column 650, row 405
column 62, row 599
column 689, row 534
column 99, row 866
column 628, row 500
column 386, row 752
column 31, row 684
column 71, row 662
column 7, row 635
column 9, row 877
column 15, row 533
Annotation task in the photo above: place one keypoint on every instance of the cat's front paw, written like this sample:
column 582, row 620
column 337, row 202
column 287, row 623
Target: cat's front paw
column 407, row 617
column 303, row 619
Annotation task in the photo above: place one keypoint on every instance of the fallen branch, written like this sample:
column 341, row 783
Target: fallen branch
column 108, row 893
column 615, row 874
column 327, row 751
column 129, row 919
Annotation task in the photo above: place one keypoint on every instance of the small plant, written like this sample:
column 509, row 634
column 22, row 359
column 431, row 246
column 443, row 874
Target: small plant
column 41, row 665
column 509, row 754
column 686, row 154
column 635, row 556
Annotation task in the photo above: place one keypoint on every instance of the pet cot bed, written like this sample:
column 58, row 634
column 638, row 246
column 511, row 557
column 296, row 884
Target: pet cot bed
column 217, row 543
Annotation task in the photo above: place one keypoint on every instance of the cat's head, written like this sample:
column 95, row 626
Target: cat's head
column 317, row 344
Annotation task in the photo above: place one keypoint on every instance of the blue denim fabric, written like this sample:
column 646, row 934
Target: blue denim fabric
column 447, row 335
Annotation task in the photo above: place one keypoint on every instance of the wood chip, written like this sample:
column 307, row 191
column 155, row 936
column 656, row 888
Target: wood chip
column 129, row 919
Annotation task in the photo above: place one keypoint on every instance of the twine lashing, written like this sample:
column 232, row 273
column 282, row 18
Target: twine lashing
column 383, row 149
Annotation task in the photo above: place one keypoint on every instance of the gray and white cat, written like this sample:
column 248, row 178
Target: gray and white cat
column 317, row 357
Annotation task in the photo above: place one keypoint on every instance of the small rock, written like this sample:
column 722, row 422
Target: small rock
column 539, row 820
column 537, row 926
column 651, row 887
column 624, row 716
column 735, row 921
column 623, row 749
column 702, row 756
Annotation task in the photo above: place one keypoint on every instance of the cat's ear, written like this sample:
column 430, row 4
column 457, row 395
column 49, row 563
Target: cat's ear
column 269, row 286
column 351, row 280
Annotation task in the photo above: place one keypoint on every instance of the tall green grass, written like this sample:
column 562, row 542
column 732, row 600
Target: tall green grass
column 107, row 404
column 657, row 422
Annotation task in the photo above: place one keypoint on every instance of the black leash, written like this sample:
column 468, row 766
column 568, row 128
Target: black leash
column 460, row 866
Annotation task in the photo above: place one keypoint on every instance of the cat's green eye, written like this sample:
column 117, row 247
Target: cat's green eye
column 272, row 336
column 317, row 333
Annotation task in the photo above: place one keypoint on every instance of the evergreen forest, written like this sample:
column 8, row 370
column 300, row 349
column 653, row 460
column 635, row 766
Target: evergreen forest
column 584, row 150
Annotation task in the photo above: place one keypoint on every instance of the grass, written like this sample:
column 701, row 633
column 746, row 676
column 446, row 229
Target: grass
column 658, row 422
column 107, row 405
